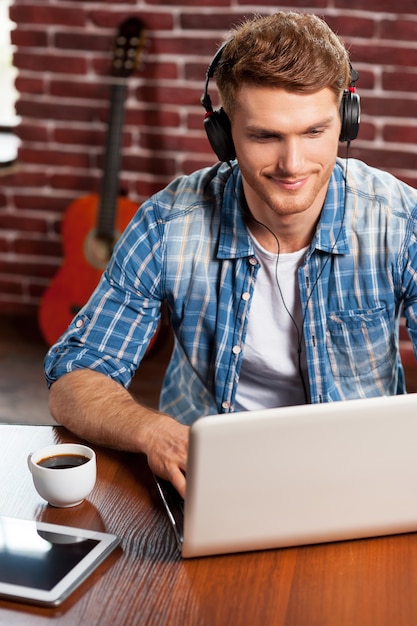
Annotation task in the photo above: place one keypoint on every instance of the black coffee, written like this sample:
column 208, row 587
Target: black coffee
column 63, row 461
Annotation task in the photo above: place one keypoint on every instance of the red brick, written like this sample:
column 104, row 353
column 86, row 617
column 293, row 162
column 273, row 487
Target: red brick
column 189, row 165
column 55, row 157
column 54, row 110
column 388, row 106
column 351, row 26
column 22, row 223
column 398, row 29
column 145, row 188
column 383, row 54
column 38, row 202
column 23, row 267
column 378, row 6
column 32, row 132
column 79, row 88
column 295, row 4
column 212, row 21
column 23, row 178
column 385, row 159
column 150, row 164
column 8, row 287
column 78, row 184
column 4, row 243
column 152, row 117
column 90, row 42
column 38, row 14
column 28, row 84
column 184, row 45
column 179, row 95
column 186, row 3
column 157, row 71
column 151, row 21
column 86, row 136
column 401, row 134
column 36, row 247
column 28, row 38
column 18, row 307
column 166, row 141
column 399, row 80
column 51, row 62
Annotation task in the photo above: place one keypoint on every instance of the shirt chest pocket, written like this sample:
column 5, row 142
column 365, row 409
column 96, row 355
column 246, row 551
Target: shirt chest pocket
column 361, row 343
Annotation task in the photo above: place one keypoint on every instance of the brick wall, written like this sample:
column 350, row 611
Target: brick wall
column 63, row 52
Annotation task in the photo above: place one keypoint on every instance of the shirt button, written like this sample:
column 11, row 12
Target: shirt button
column 253, row 261
column 236, row 349
column 79, row 323
column 226, row 405
column 245, row 296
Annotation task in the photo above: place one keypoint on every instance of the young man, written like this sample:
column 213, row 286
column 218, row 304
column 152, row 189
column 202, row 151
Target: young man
column 284, row 269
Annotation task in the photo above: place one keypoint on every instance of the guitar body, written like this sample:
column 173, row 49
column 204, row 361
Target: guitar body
column 85, row 258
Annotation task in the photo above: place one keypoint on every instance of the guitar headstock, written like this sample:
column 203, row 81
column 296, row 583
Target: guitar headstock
column 128, row 45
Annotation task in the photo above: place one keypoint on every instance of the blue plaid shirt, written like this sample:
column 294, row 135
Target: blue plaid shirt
column 188, row 245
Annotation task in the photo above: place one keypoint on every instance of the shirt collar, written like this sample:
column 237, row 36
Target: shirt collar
column 234, row 241
column 330, row 235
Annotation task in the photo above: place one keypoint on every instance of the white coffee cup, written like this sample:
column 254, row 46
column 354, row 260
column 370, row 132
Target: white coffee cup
column 63, row 474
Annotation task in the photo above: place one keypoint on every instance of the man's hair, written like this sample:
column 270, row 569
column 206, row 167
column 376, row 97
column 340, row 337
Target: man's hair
column 293, row 51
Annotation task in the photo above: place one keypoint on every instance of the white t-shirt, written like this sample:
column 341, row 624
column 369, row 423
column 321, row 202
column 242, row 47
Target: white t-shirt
column 270, row 374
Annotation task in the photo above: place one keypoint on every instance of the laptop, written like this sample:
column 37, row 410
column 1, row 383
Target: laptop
column 298, row 475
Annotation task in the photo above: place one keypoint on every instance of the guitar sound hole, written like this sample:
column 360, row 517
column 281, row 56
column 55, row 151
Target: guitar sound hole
column 98, row 250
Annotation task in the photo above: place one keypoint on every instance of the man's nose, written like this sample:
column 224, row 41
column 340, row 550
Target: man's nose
column 291, row 156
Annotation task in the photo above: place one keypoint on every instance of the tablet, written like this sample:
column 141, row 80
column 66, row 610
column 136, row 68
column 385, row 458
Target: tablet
column 43, row 563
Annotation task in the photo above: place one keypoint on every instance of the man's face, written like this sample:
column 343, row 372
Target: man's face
column 286, row 145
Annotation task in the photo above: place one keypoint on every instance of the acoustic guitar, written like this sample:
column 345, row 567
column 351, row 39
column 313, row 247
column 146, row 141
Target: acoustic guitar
column 93, row 223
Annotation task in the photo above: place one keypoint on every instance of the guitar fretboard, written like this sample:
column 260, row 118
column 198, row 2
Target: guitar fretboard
column 112, row 160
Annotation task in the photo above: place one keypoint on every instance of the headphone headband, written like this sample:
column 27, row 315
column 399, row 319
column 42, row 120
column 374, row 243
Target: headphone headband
column 217, row 123
column 205, row 98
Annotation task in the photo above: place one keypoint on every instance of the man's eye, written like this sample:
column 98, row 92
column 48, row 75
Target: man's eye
column 264, row 137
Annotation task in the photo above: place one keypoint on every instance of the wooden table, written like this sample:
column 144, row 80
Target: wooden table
column 356, row 583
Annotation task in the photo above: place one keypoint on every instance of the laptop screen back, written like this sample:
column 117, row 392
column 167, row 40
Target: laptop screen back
column 303, row 474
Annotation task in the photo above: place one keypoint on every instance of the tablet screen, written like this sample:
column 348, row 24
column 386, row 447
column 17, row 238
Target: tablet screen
column 43, row 563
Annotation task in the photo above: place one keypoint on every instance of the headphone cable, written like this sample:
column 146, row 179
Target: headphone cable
column 300, row 333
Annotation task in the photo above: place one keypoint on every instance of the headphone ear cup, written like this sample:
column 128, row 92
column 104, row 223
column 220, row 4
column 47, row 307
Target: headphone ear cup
column 217, row 125
column 350, row 113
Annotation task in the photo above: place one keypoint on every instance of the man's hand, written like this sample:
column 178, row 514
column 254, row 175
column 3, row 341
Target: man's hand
column 167, row 448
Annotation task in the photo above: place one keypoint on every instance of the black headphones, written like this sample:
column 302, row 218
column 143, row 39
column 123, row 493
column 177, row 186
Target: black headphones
column 217, row 123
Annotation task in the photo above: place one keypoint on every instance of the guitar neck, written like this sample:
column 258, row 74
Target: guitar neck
column 112, row 160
